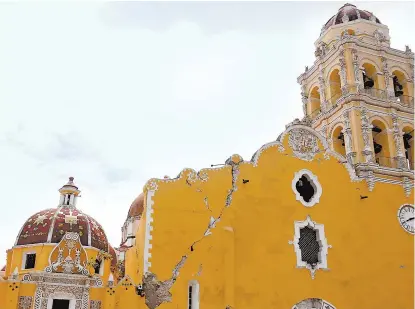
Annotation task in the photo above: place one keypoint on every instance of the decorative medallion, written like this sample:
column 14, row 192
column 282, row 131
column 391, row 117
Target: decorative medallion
column 313, row 303
column 303, row 143
column 94, row 304
column 406, row 217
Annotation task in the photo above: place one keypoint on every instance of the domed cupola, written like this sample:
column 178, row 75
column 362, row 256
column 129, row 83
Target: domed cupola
column 348, row 13
column 50, row 225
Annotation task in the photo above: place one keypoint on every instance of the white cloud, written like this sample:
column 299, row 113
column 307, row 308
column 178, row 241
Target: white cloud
column 114, row 94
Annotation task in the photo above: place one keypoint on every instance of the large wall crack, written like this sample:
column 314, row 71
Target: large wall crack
column 157, row 292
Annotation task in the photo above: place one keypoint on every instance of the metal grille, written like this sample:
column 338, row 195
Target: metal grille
column 309, row 246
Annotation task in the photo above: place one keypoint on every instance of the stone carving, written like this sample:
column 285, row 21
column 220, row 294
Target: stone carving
column 396, row 135
column 322, row 91
column 407, row 185
column 313, row 303
column 370, row 180
column 95, row 304
column 303, row 143
column 68, row 256
column 343, row 73
column 366, row 127
column 379, row 36
column 80, row 294
column 25, row 302
column 356, row 69
column 408, row 51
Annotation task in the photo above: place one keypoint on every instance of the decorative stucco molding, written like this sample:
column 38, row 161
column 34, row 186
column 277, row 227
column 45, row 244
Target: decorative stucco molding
column 148, row 229
column 322, row 255
column 314, row 183
column 313, row 303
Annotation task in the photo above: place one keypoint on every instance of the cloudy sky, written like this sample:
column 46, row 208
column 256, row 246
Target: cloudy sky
column 117, row 93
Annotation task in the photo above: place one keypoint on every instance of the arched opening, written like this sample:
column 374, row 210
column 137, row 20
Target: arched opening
column 315, row 103
column 400, row 87
column 338, row 141
column 408, row 142
column 313, row 303
column 370, row 80
column 335, row 87
column 381, row 144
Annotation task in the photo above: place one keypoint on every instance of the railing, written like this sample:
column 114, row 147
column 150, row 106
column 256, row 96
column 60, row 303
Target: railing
column 391, row 162
column 386, row 161
column 405, row 100
column 376, row 93
column 334, row 98
column 315, row 113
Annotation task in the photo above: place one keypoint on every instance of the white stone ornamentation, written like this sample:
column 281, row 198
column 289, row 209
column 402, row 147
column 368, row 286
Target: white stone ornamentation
column 321, row 238
column 303, row 143
column 313, row 303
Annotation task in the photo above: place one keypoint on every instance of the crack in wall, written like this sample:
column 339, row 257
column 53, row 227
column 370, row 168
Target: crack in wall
column 157, row 292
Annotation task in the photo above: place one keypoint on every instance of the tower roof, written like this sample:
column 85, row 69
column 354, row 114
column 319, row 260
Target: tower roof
column 349, row 12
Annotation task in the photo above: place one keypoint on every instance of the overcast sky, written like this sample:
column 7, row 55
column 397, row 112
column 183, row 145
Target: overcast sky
column 116, row 93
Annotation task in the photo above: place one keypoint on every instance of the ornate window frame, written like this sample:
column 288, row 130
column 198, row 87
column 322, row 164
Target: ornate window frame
column 318, row 190
column 322, row 240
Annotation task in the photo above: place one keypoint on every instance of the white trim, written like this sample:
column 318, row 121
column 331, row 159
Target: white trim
column 400, row 223
column 324, row 304
column 195, row 294
column 24, row 257
column 62, row 295
column 148, row 229
column 314, row 182
column 321, row 238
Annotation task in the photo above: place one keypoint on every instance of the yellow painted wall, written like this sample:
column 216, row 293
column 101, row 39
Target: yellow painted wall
column 371, row 253
column 3, row 291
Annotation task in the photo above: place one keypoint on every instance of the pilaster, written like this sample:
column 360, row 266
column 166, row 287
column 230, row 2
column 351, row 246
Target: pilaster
column 368, row 151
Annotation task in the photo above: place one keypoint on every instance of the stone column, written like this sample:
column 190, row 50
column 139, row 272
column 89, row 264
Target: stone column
column 368, row 153
column 322, row 89
column 348, row 142
column 304, row 99
column 343, row 73
column 358, row 78
column 390, row 92
column 399, row 156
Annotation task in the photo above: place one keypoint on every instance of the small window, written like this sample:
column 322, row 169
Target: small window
column 30, row 260
column 305, row 188
column 60, row 304
column 309, row 246
column 97, row 267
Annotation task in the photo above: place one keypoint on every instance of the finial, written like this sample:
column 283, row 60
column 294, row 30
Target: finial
column 71, row 179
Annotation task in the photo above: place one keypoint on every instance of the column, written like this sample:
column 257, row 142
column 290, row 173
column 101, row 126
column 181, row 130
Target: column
column 358, row 78
column 398, row 155
column 368, row 153
column 348, row 142
column 343, row 73
column 388, row 78
column 322, row 90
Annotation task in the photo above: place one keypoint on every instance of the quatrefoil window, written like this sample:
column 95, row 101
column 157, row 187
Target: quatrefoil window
column 306, row 188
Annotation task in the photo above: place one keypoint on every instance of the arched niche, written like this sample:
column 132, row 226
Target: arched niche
column 408, row 142
column 380, row 140
column 337, row 139
column 334, row 86
column 314, row 107
column 313, row 303
column 370, row 76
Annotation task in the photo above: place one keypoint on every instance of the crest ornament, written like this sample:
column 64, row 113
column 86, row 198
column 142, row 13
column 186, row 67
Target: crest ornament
column 303, row 143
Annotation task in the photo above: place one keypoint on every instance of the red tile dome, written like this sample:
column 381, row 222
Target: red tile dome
column 349, row 12
column 137, row 207
column 50, row 225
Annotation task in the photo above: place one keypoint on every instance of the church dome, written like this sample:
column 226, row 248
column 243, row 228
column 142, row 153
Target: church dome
column 349, row 12
column 50, row 225
column 137, row 207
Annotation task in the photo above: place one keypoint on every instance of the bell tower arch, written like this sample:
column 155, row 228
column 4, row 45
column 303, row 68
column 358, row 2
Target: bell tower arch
column 359, row 94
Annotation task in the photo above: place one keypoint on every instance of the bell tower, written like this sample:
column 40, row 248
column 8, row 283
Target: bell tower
column 359, row 94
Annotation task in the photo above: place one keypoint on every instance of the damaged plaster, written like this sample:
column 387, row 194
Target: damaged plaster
column 157, row 292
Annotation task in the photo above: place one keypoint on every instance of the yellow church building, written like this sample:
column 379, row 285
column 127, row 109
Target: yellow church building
column 321, row 218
